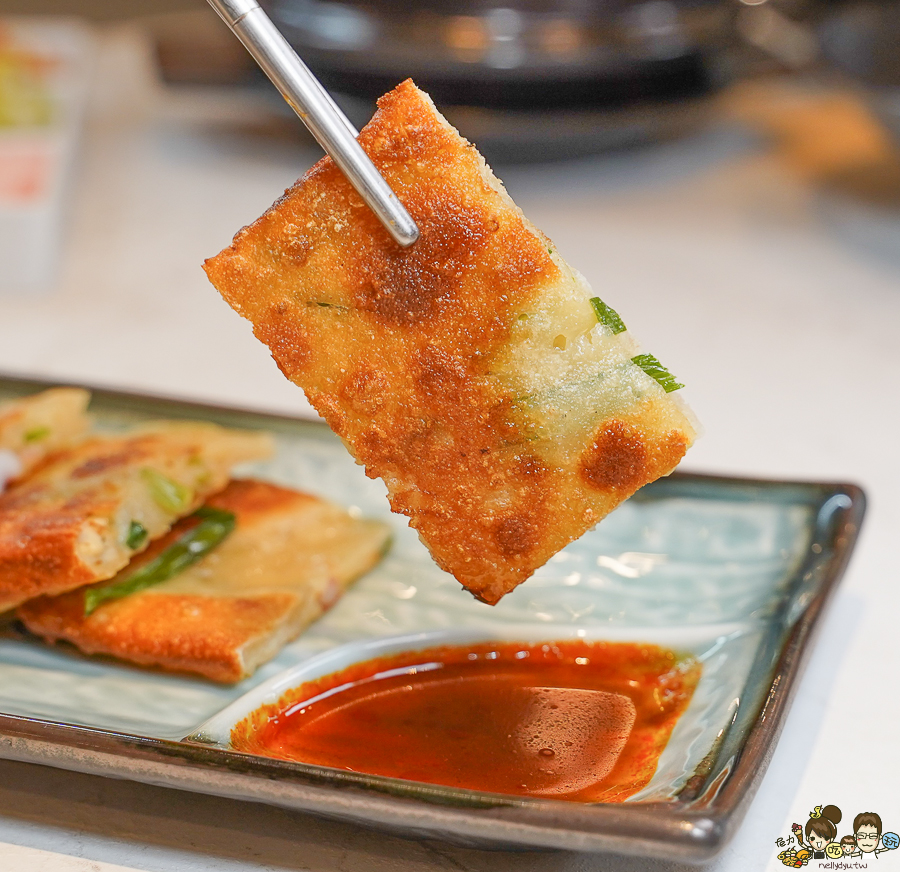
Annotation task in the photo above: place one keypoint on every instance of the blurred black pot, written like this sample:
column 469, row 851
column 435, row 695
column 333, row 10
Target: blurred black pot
column 539, row 79
column 527, row 79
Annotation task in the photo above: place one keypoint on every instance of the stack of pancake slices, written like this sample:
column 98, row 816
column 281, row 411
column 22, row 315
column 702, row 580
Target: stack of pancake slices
column 139, row 544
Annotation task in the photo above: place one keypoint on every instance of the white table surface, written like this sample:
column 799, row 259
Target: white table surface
column 777, row 305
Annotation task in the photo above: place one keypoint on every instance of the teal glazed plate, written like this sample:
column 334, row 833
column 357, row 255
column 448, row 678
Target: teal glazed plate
column 735, row 571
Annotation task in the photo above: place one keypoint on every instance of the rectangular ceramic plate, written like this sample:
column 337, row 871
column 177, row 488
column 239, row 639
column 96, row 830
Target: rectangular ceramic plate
column 735, row 571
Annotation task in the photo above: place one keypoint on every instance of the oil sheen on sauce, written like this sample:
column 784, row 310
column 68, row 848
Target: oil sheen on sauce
column 575, row 720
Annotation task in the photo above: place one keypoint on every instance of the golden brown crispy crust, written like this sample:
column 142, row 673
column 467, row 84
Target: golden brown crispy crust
column 65, row 525
column 214, row 631
column 398, row 349
column 196, row 634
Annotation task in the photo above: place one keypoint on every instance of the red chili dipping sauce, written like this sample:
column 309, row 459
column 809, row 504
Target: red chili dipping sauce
column 576, row 720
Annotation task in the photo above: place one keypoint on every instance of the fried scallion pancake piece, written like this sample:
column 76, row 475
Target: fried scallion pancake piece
column 472, row 372
column 88, row 510
column 289, row 558
column 33, row 427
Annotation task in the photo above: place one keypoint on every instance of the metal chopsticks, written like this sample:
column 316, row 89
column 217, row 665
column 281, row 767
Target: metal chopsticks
column 327, row 123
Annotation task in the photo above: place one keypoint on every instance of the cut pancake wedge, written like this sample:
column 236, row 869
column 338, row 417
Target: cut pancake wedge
column 88, row 510
column 289, row 558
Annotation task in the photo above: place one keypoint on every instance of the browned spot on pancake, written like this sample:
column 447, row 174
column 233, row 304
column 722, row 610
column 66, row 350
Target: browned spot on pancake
column 286, row 338
column 407, row 286
column 617, row 460
column 107, row 462
column 515, row 535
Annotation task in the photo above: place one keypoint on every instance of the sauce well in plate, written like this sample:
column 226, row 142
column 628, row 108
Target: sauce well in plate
column 575, row 720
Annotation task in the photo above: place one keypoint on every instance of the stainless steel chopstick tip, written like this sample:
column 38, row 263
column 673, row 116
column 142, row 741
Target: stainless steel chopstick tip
column 318, row 111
